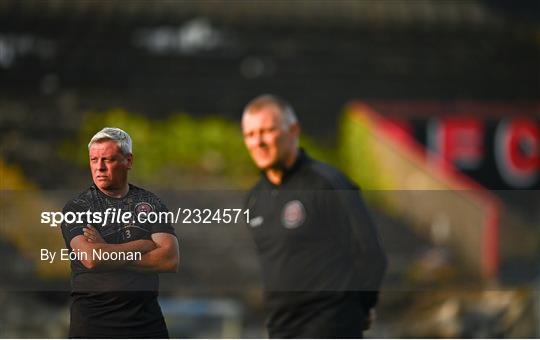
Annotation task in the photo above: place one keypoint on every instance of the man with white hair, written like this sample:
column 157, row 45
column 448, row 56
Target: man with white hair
column 115, row 295
column 321, row 257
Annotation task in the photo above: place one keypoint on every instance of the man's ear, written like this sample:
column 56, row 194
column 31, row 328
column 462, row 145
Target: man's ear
column 129, row 159
column 294, row 128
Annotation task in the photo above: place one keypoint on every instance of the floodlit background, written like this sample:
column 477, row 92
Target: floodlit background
column 432, row 107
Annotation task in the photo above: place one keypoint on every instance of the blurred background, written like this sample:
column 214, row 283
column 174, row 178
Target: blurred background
column 433, row 107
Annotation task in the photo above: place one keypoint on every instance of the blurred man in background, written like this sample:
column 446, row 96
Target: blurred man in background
column 117, row 298
column 321, row 256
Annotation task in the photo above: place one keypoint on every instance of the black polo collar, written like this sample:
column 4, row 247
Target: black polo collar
column 301, row 158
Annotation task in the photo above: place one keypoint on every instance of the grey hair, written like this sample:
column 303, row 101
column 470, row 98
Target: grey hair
column 287, row 111
column 115, row 134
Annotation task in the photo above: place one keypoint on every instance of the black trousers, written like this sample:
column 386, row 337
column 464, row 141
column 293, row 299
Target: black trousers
column 160, row 335
column 326, row 315
column 317, row 332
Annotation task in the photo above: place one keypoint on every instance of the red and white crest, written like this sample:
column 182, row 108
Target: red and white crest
column 293, row 214
column 143, row 207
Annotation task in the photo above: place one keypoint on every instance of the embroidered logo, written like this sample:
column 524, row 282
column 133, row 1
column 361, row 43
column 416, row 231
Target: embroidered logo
column 143, row 207
column 256, row 221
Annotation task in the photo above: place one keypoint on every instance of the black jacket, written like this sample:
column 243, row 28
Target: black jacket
column 317, row 244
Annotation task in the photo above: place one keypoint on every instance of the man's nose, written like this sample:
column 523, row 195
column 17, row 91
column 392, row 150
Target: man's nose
column 101, row 166
column 259, row 139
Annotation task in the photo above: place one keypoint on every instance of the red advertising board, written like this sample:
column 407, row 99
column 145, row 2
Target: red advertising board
column 497, row 144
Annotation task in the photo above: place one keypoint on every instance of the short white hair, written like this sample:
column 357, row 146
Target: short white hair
column 288, row 116
column 116, row 135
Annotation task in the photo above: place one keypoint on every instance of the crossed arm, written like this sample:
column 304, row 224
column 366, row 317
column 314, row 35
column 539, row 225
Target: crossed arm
column 160, row 254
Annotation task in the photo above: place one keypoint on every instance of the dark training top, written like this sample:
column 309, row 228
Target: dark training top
column 115, row 302
column 321, row 257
